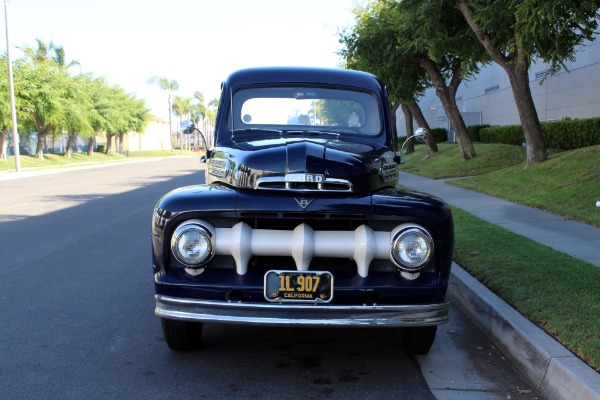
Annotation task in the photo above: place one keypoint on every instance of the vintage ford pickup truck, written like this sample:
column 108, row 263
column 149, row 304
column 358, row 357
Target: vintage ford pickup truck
column 300, row 221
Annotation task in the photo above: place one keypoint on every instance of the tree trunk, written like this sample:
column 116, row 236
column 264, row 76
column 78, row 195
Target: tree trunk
column 516, row 66
column 91, row 144
column 70, row 143
column 408, row 123
column 110, row 149
column 532, row 130
column 422, row 122
column 39, row 151
column 3, row 144
column 41, row 140
column 121, row 148
column 447, row 95
column 170, row 121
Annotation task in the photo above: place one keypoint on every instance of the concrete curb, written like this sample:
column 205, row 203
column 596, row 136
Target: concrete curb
column 555, row 371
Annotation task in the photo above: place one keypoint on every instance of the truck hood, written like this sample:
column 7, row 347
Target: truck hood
column 303, row 165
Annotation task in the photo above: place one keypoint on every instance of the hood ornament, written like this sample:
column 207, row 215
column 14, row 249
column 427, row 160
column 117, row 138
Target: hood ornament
column 302, row 202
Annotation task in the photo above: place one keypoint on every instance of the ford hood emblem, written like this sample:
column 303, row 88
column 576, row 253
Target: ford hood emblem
column 303, row 202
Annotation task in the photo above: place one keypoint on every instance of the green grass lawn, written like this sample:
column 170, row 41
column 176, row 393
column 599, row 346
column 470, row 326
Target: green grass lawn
column 568, row 184
column 449, row 164
column 557, row 292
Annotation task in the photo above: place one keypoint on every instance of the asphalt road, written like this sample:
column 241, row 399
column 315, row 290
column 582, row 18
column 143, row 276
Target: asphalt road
column 77, row 322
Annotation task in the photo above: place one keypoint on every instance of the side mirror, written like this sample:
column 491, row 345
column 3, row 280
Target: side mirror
column 187, row 127
column 420, row 135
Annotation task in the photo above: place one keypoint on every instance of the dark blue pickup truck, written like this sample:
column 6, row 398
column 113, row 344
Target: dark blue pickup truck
column 300, row 221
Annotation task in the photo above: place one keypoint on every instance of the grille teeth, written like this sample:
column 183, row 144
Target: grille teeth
column 302, row 244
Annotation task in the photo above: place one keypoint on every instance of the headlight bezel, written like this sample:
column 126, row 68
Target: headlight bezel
column 403, row 232
column 200, row 227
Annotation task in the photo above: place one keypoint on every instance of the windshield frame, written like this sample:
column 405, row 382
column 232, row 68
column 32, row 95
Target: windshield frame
column 367, row 121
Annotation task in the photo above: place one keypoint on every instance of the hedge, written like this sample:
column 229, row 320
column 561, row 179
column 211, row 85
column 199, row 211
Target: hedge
column 568, row 134
column 473, row 132
column 439, row 134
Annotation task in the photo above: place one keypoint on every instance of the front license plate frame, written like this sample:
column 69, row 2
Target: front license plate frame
column 283, row 286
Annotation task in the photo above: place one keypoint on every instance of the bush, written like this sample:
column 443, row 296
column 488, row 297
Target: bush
column 568, row 134
column 572, row 134
column 439, row 134
column 473, row 132
column 509, row 134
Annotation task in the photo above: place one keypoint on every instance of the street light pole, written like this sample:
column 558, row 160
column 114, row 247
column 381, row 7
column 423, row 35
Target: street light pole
column 11, row 86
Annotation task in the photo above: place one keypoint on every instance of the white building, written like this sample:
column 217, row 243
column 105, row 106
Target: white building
column 156, row 137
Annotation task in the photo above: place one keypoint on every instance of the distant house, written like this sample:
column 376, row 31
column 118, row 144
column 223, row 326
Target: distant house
column 156, row 137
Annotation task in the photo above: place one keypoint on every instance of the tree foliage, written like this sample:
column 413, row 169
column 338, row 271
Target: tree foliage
column 79, row 111
column 5, row 116
column 415, row 44
column 451, row 39
column 40, row 90
column 514, row 33
column 50, row 101
column 371, row 45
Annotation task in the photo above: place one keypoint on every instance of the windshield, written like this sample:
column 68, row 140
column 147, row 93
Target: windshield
column 300, row 109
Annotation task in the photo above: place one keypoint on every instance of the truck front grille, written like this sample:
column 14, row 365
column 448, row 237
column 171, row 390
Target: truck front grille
column 302, row 244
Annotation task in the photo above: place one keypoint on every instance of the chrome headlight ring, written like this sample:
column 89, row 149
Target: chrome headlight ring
column 193, row 243
column 411, row 247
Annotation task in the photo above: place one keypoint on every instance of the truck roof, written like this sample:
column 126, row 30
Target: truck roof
column 304, row 75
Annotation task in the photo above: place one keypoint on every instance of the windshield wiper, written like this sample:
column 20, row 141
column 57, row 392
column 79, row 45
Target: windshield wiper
column 252, row 130
column 313, row 132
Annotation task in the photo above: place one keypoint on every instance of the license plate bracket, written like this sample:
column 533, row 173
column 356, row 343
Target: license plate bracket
column 298, row 286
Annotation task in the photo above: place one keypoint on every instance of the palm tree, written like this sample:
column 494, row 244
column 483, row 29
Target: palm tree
column 199, row 108
column 49, row 52
column 182, row 109
column 42, row 53
column 210, row 119
column 170, row 86
column 200, row 99
column 61, row 59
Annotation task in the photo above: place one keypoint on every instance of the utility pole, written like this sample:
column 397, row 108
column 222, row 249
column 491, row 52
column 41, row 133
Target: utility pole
column 11, row 86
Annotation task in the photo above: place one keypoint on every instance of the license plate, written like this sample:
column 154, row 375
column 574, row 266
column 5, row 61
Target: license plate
column 299, row 286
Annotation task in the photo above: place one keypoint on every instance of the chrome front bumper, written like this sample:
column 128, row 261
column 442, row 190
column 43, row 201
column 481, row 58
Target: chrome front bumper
column 300, row 314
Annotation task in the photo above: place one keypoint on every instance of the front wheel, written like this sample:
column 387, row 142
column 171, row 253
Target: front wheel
column 418, row 340
column 182, row 335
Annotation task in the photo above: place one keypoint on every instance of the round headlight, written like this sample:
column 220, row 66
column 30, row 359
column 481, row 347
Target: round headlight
column 412, row 248
column 192, row 244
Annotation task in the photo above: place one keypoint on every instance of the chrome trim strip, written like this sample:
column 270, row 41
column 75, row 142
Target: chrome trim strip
column 299, row 314
column 288, row 185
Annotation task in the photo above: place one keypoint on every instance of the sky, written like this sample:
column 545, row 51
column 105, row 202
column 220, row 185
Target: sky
column 198, row 43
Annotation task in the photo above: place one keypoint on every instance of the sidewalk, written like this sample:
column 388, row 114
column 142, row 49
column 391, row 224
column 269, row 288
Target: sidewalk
column 571, row 237
column 554, row 370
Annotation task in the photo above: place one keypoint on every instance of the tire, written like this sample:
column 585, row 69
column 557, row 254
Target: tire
column 182, row 335
column 418, row 340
